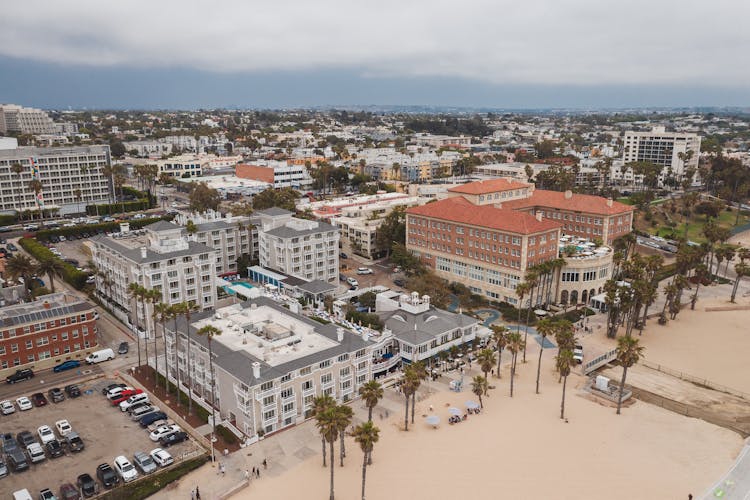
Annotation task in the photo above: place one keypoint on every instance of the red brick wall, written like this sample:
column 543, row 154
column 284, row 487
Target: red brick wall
column 254, row 172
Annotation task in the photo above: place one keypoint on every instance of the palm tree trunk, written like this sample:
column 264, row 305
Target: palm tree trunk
column 622, row 388
column 145, row 330
column 323, row 443
column 695, row 295
column 166, row 361
column 156, row 358
column 137, row 333
column 512, row 373
column 369, row 413
column 562, row 403
column 332, row 468
column 481, row 404
column 499, row 358
column 364, row 474
column 189, row 366
column 734, row 288
column 406, row 415
column 526, row 332
column 177, row 357
column 213, row 391
column 539, row 365
column 413, row 404
column 342, row 451
column 51, row 281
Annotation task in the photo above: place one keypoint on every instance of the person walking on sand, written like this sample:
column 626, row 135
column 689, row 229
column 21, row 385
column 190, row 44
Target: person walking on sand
column 265, row 464
column 197, row 493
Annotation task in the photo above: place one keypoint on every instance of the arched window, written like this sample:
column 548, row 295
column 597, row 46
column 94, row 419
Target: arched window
column 564, row 297
column 574, row 297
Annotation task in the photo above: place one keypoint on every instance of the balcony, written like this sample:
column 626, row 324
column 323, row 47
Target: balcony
column 385, row 363
column 307, row 392
column 260, row 395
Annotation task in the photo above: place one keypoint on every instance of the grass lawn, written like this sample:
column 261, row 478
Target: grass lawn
column 695, row 226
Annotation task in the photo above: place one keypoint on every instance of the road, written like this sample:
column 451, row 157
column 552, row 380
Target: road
column 46, row 380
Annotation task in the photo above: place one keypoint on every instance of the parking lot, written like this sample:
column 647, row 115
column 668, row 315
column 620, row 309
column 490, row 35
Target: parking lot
column 105, row 430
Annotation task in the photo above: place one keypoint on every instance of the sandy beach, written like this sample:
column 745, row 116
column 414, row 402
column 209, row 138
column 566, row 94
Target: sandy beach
column 519, row 448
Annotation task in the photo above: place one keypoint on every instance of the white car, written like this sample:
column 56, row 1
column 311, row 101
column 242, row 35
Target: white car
column 46, row 434
column 125, row 469
column 24, row 403
column 133, row 400
column 7, row 407
column 115, row 393
column 352, row 281
column 161, row 457
column 578, row 354
column 63, row 427
column 163, row 431
column 364, row 270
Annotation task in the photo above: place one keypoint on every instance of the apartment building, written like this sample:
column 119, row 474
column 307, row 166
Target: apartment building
column 150, row 149
column 159, row 257
column 280, row 174
column 181, row 166
column 14, row 118
column 52, row 329
column 663, row 148
column 584, row 176
column 229, row 236
column 71, row 178
column 306, row 249
column 487, row 234
column 269, row 364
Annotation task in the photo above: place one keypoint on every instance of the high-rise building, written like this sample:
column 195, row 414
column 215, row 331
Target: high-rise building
column 71, row 178
column 15, row 118
column 676, row 152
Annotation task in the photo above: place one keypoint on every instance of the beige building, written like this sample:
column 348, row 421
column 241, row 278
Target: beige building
column 15, row 118
column 663, row 148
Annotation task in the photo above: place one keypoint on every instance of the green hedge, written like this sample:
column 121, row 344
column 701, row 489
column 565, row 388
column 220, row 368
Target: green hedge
column 200, row 412
column 70, row 274
column 7, row 220
column 665, row 272
column 118, row 208
column 577, row 314
column 366, row 318
column 154, row 483
column 45, row 234
column 228, row 436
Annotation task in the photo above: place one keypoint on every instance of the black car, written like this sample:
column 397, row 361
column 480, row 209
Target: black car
column 150, row 418
column 12, row 247
column 17, row 460
column 174, row 438
column 87, row 485
column 73, row 391
column 54, row 449
column 342, row 255
column 38, row 399
column 399, row 282
column 107, row 475
column 20, row 375
column 56, row 395
column 110, row 387
column 123, row 348
column 8, row 442
column 25, row 438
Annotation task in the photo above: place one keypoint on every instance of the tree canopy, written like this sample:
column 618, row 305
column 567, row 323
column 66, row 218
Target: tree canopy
column 283, row 198
column 203, row 198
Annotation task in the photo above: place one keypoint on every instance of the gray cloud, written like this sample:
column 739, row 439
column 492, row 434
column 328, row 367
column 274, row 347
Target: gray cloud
column 550, row 42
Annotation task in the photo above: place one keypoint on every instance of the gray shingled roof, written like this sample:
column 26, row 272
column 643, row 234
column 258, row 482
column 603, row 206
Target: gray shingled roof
column 273, row 212
column 240, row 363
column 425, row 326
column 162, row 225
column 134, row 254
column 317, row 286
column 213, row 225
column 289, row 232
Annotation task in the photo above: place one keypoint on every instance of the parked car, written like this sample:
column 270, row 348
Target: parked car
column 399, row 282
column 138, row 406
column 3, row 468
column 17, row 460
column 125, row 469
column 162, row 457
column 100, row 355
column 69, row 492
column 8, row 442
column 364, row 270
column 45, row 434
column 63, row 427
column 143, row 411
column 352, row 281
column 149, row 419
column 107, row 475
column 56, row 395
column 74, row 442
column 87, row 485
column 123, row 348
column 342, row 255
column 73, row 391
column 55, row 449
column 162, row 431
column 39, row 399
column 20, row 375
column 132, row 400
column 36, row 452
column 6, row 407
column 173, row 438
column 46, row 494
column 115, row 392
column 66, row 365
column 144, row 462
column 112, row 386
column 124, row 395
column 25, row 438
column 578, row 354
column 24, row 403
column 12, row 247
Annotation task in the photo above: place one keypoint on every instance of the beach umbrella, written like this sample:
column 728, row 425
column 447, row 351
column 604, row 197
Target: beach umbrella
column 455, row 411
column 433, row 420
column 472, row 405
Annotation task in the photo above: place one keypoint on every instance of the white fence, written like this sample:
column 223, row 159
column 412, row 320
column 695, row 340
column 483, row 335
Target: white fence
column 602, row 360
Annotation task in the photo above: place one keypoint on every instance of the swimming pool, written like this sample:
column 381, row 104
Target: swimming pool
column 243, row 284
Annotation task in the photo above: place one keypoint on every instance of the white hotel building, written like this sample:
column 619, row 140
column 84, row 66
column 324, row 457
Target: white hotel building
column 662, row 148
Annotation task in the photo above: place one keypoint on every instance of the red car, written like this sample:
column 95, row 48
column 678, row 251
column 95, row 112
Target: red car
column 125, row 395
column 39, row 399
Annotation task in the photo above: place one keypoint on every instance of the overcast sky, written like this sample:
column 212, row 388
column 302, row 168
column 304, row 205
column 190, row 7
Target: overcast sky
column 536, row 53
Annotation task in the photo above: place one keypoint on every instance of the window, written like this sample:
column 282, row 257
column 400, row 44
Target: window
column 29, row 344
column 305, row 371
column 324, row 364
column 307, row 385
column 288, row 407
column 343, row 357
column 267, row 386
column 269, row 400
column 287, row 393
column 345, row 372
column 287, row 377
column 326, row 379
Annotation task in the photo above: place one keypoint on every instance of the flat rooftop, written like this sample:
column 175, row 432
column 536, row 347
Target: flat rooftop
column 266, row 333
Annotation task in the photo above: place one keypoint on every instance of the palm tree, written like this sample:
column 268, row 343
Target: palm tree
column 478, row 387
column 187, row 309
column 161, row 315
column 741, row 269
column 328, row 423
column 50, row 267
column 134, row 290
column 564, row 361
column 515, row 345
column 486, row 360
column 701, row 273
column 345, row 419
column 175, row 311
column 371, row 392
column 320, row 405
column 521, row 290
column 419, row 372
column 366, row 435
column 21, row 266
column 17, row 169
column 36, row 186
column 628, row 354
column 500, row 334
column 532, row 278
column 408, row 387
column 545, row 327
column 210, row 332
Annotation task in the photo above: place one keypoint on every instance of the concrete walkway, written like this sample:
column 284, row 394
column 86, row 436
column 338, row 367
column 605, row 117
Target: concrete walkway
column 735, row 485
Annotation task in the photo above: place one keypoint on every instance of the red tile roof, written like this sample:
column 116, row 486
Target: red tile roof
column 458, row 209
column 585, row 203
column 488, row 186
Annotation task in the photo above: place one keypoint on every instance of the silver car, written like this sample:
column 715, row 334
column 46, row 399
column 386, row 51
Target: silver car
column 144, row 462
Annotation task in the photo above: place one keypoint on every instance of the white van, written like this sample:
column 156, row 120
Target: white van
column 22, row 495
column 99, row 356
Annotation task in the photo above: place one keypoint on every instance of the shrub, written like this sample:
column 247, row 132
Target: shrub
column 228, row 436
column 156, row 482
column 105, row 227
column 7, row 220
column 577, row 314
column 365, row 318
column 117, row 208
column 200, row 412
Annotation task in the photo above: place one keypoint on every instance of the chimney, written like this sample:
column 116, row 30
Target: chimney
column 340, row 334
column 568, row 194
column 143, row 252
column 256, row 370
column 609, row 202
column 46, row 305
column 539, row 215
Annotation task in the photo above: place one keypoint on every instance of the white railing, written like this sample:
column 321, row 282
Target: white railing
column 602, row 360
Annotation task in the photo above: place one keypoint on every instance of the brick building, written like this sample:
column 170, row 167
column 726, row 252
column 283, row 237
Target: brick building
column 52, row 329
